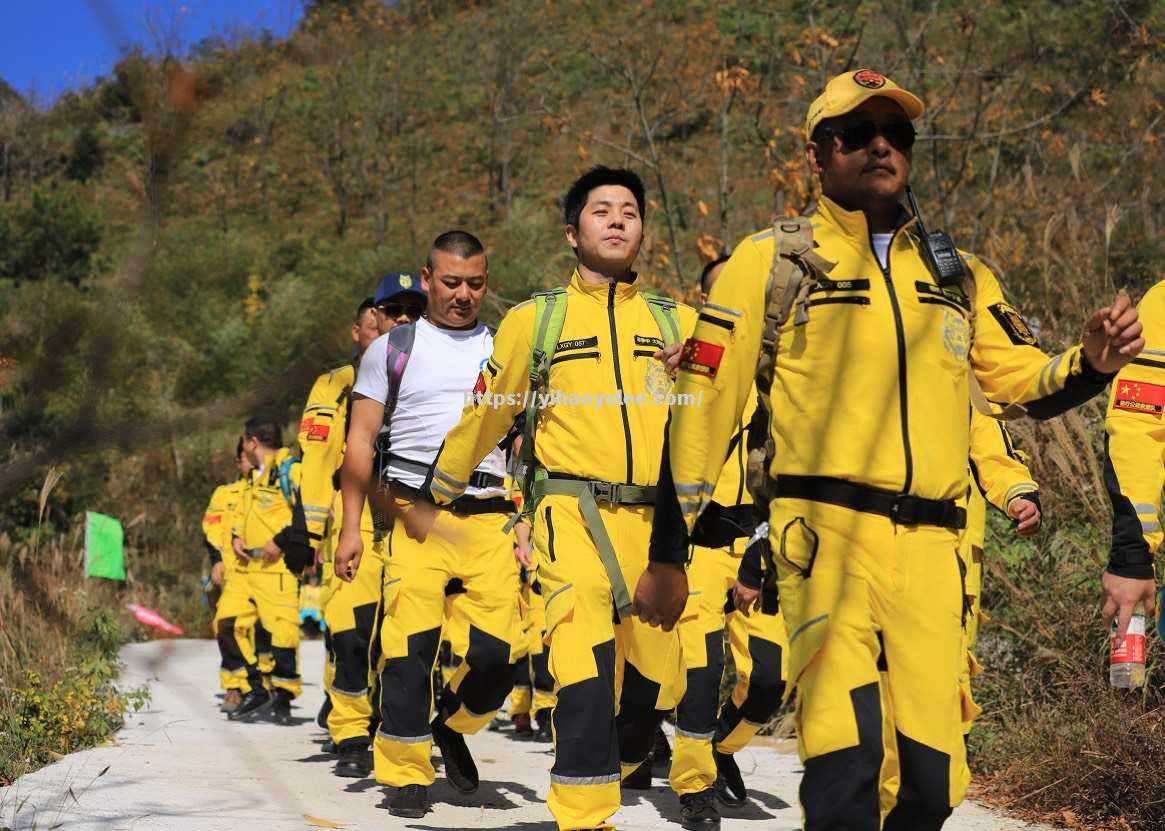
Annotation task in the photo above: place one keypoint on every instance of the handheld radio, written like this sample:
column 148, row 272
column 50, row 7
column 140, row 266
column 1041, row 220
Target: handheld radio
column 938, row 249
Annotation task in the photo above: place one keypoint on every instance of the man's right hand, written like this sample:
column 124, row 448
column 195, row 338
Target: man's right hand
column 216, row 573
column 347, row 555
column 1121, row 596
column 240, row 552
column 746, row 599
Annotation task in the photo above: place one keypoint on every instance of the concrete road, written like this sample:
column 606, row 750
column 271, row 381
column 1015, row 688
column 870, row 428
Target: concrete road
column 179, row 765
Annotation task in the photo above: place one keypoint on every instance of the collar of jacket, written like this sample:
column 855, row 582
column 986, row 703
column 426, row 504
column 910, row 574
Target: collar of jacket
column 601, row 291
column 852, row 224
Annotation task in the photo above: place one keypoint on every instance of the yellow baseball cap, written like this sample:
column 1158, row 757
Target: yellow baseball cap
column 849, row 90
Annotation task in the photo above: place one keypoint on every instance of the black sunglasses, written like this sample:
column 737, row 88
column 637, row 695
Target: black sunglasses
column 394, row 310
column 900, row 134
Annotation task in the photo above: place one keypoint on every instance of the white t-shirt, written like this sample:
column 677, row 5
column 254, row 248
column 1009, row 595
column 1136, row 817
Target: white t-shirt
column 442, row 369
column 882, row 247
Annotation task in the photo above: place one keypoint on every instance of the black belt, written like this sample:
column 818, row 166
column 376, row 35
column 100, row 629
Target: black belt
column 463, row 505
column 477, row 479
column 902, row 508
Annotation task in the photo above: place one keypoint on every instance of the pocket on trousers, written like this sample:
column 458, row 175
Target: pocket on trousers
column 559, row 607
column 797, row 548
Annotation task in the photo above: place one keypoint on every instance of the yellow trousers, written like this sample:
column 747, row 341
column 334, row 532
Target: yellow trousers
column 876, row 649
column 533, row 685
column 758, row 646
column 242, row 640
column 474, row 551
column 352, row 615
column 273, row 592
column 613, row 680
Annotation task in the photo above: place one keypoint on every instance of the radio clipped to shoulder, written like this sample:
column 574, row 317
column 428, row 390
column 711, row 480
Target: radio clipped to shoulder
column 938, row 249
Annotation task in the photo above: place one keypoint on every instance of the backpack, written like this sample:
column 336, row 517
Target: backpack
column 549, row 317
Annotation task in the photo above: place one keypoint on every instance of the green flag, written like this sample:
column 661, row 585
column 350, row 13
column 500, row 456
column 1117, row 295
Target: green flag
column 104, row 556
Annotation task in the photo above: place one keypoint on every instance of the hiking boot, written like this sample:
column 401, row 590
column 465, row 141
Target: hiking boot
column 460, row 769
column 355, row 762
column 729, row 786
column 325, row 710
column 522, row 728
column 329, row 747
column 411, row 801
column 231, row 701
column 698, row 811
column 254, row 703
column 281, row 709
column 544, row 733
column 640, row 778
column 660, row 753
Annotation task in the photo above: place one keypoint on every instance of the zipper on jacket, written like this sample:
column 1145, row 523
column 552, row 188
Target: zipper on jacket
column 740, row 465
column 550, row 534
column 901, row 333
column 619, row 381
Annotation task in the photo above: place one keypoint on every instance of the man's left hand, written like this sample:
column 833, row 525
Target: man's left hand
column 660, row 595
column 271, row 552
column 1026, row 514
column 670, row 356
column 1112, row 336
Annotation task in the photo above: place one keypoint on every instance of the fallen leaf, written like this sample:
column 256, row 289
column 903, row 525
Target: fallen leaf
column 323, row 823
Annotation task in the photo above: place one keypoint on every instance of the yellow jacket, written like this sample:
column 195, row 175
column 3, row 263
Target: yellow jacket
column 873, row 389
column 219, row 519
column 322, row 433
column 607, row 341
column 1134, row 465
column 265, row 514
column 999, row 474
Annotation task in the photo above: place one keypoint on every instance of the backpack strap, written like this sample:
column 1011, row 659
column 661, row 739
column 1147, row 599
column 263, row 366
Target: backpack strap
column 400, row 346
column 795, row 270
column 282, row 472
column 549, row 317
column 663, row 309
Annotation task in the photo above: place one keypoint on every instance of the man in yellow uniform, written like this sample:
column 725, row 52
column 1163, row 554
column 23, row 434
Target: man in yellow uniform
column 708, row 734
column 869, row 396
column 532, row 699
column 1134, row 471
column 234, row 615
column 271, row 544
column 590, row 476
column 351, row 610
column 410, row 388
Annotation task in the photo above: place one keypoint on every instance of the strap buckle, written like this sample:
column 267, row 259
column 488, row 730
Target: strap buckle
column 605, row 492
column 905, row 510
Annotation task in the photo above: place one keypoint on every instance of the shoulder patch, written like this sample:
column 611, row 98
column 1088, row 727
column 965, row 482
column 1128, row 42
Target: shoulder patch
column 701, row 357
column 1012, row 322
column 1139, row 397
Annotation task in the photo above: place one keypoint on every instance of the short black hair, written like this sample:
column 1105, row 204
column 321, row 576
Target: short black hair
column 596, row 177
column 366, row 304
column 239, row 448
column 265, row 429
column 458, row 243
column 723, row 258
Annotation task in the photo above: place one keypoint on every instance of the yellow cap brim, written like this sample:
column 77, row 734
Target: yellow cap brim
column 911, row 104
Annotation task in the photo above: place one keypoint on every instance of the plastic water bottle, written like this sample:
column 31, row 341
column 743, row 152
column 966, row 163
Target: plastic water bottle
column 1126, row 662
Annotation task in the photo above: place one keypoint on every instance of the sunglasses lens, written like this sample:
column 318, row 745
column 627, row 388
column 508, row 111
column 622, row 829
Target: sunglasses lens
column 900, row 134
column 857, row 136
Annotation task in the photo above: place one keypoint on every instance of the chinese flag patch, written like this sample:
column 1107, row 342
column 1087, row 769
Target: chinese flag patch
column 1139, row 397
column 318, row 432
column 212, row 519
column 701, row 357
column 305, row 425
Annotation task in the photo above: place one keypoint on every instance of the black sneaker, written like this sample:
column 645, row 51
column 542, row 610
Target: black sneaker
column 325, row 710
column 544, row 732
column 729, row 786
column 329, row 747
column 460, row 769
column 660, row 753
column 281, row 708
column 640, row 778
column 411, row 801
column 698, row 811
column 254, row 703
column 355, row 762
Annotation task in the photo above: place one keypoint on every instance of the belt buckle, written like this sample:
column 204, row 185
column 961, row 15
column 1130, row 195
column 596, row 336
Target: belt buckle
column 603, row 491
column 902, row 510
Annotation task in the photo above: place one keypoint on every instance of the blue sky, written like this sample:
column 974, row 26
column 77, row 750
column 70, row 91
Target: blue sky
column 48, row 46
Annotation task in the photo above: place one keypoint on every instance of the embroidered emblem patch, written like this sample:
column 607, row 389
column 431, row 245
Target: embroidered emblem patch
column 869, row 79
column 956, row 334
column 701, row 358
column 1139, row 397
column 318, row 432
column 1012, row 322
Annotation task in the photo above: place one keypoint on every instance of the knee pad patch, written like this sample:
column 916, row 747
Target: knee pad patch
column 923, row 790
column 840, row 789
column 585, row 740
column 765, row 688
column 406, row 687
column 696, row 714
